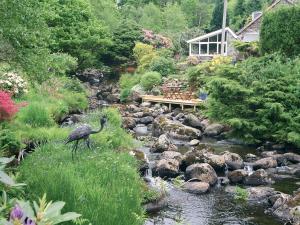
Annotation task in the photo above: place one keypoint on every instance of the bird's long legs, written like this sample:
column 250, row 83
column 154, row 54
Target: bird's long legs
column 74, row 149
column 88, row 143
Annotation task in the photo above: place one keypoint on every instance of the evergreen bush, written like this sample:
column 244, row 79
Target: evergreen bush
column 150, row 79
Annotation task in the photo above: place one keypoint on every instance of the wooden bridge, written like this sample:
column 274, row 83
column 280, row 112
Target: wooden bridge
column 164, row 100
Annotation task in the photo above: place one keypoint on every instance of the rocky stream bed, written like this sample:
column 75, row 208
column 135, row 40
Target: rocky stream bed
column 187, row 159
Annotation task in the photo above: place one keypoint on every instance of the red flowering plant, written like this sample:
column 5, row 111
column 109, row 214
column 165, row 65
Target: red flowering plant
column 7, row 106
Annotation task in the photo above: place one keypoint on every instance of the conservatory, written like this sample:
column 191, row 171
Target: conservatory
column 209, row 44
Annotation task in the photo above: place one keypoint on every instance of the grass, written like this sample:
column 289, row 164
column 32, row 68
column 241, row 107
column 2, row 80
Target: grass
column 104, row 187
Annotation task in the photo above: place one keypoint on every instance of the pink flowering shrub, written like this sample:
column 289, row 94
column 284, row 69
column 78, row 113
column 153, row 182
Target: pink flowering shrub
column 7, row 107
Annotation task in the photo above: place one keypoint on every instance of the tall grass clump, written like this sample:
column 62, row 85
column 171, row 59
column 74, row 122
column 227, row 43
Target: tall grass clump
column 35, row 115
column 105, row 188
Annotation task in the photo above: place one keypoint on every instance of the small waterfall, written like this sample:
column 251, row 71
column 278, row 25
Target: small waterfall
column 248, row 168
column 226, row 170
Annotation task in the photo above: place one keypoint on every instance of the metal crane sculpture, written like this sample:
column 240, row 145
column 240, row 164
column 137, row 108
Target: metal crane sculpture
column 83, row 133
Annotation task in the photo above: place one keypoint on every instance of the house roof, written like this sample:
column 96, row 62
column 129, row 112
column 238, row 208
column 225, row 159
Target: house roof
column 213, row 34
column 276, row 2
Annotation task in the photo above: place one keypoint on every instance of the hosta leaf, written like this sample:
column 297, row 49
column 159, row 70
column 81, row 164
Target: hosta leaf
column 5, row 179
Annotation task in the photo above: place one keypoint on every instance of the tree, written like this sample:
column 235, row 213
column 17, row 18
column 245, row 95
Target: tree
column 217, row 16
column 75, row 31
column 174, row 24
column 24, row 32
column 126, row 34
column 152, row 18
column 280, row 31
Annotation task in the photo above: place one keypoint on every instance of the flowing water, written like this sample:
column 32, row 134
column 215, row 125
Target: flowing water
column 216, row 207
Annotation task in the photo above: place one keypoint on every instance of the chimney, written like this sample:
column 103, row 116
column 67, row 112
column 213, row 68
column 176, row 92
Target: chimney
column 256, row 14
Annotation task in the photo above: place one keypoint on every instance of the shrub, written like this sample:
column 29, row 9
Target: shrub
column 259, row 99
column 241, row 194
column 35, row 115
column 9, row 143
column 280, row 31
column 127, row 82
column 164, row 66
column 90, row 186
column 12, row 81
column 144, row 54
column 150, row 79
column 7, row 107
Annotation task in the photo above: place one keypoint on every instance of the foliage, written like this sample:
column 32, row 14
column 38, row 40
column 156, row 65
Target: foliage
column 91, row 185
column 152, row 18
column 127, row 82
column 11, row 81
column 200, row 74
column 29, row 37
column 241, row 194
column 247, row 49
column 144, row 55
column 62, row 63
column 126, row 34
column 162, row 65
column 75, row 31
column 7, row 107
column 280, row 31
column 35, row 115
column 9, row 142
column 42, row 213
column 259, row 99
column 150, row 80
column 217, row 16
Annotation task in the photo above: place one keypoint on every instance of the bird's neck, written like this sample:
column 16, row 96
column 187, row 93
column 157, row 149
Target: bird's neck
column 97, row 131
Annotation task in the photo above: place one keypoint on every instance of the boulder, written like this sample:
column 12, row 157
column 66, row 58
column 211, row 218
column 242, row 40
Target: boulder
column 176, row 129
column 193, row 156
column 216, row 161
column 237, row 176
column 292, row 157
column 129, row 122
column 146, row 104
column 266, row 154
column 163, row 143
column 259, row 177
column 203, row 172
column 113, row 98
column 141, row 130
column 265, row 163
column 213, row 130
column 166, row 168
column 172, row 155
column 196, row 187
column 193, row 121
column 194, row 142
column 250, row 157
column 146, row 120
column 260, row 193
column 233, row 161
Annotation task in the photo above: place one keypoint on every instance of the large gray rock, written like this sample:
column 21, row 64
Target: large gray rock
column 194, row 156
column 203, row 172
column 216, row 161
column 129, row 122
column 162, row 125
column 163, row 143
column 214, row 129
column 237, row 176
column 233, row 161
column 166, row 168
column 196, row 187
column 146, row 120
column 193, row 121
column 260, row 193
column 259, row 177
column 172, row 155
column 292, row 157
column 265, row 163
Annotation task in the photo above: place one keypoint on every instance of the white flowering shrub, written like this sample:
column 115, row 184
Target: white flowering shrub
column 13, row 83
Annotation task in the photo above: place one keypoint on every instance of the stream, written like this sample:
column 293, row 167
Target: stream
column 217, row 207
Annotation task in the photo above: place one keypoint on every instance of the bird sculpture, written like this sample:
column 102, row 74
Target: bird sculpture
column 83, row 133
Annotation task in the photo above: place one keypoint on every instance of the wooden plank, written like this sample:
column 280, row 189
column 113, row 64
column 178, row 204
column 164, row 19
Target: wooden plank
column 161, row 99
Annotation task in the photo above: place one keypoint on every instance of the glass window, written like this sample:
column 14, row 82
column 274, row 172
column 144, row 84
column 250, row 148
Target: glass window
column 213, row 49
column 195, row 48
column 203, row 49
column 213, row 38
column 204, row 40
